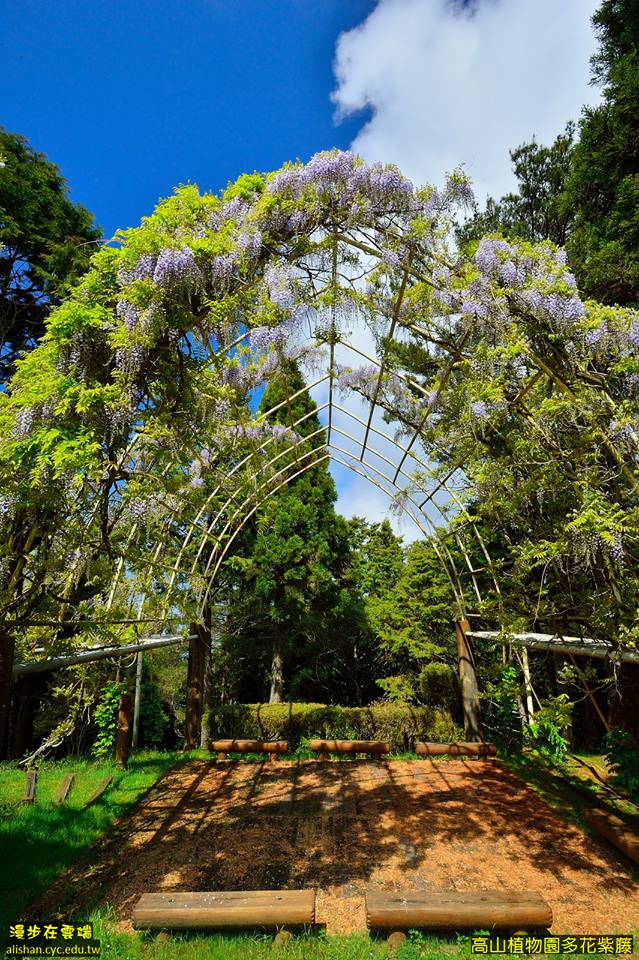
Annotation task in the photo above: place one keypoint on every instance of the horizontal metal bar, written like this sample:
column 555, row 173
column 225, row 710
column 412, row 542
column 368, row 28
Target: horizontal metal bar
column 582, row 646
column 100, row 653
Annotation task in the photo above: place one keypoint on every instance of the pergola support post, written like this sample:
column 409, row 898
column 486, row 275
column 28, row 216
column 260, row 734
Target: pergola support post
column 123, row 739
column 468, row 682
column 195, row 688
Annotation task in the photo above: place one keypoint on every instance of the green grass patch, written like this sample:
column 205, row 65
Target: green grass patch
column 39, row 840
column 566, row 791
column 246, row 946
column 304, row 946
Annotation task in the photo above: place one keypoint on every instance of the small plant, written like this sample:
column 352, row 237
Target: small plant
column 502, row 720
column 545, row 732
column 106, row 718
column 623, row 761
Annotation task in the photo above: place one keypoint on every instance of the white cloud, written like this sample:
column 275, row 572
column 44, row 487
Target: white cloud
column 449, row 86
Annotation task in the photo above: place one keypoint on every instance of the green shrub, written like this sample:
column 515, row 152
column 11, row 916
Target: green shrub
column 401, row 724
column 501, row 720
column 439, row 685
column 106, row 718
column 153, row 718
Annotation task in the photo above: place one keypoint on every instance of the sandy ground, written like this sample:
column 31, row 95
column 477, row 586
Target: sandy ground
column 347, row 827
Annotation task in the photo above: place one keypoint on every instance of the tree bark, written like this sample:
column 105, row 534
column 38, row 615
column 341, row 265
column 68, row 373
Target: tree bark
column 195, row 689
column 205, row 731
column 125, row 729
column 28, row 690
column 277, row 667
column 468, row 681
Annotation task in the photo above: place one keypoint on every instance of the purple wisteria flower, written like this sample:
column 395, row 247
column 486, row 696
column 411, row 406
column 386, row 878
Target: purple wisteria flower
column 631, row 383
column 339, row 175
column 264, row 338
column 633, row 333
column 143, row 269
column 596, row 337
column 130, row 359
column 236, row 209
column 390, row 258
column 362, row 379
column 286, row 181
column 486, row 255
column 139, row 509
column 250, row 243
column 459, row 190
column 222, row 267
column 479, row 409
column 508, row 273
column 615, row 549
column 175, row 267
column 297, row 221
column 475, row 308
column 128, row 313
column 277, row 277
column 25, row 421
column 621, row 431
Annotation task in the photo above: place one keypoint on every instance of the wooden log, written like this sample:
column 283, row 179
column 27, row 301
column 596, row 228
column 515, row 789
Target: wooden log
column 30, row 786
column 616, row 831
column 455, row 749
column 125, row 730
column 65, row 786
column 324, row 747
column 444, row 910
column 224, row 909
column 249, row 746
column 99, row 790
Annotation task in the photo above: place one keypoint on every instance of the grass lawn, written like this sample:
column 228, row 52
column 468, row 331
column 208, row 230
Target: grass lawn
column 39, row 840
column 358, row 946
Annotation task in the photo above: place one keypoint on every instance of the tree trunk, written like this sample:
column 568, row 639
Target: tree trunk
column 205, row 631
column 194, row 689
column 125, row 729
column 27, row 691
column 7, row 653
column 468, row 682
column 277, row 668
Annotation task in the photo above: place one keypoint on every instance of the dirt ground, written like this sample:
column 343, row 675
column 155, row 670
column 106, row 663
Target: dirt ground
column 349, row 826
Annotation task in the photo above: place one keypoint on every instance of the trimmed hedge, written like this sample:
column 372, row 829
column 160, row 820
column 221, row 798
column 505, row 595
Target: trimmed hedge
column 401, row 724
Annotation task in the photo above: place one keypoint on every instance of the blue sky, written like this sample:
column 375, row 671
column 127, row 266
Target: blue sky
column 131, row 98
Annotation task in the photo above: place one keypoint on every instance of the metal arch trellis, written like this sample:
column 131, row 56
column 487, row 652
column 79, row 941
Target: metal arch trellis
column 194, row 526
column 207, row 533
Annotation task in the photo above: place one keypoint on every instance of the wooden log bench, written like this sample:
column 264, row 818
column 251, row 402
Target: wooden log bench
column 452, row 910
column 615, row 831
column 240, row 909
column 269, row 747
column 475, row 749
column 374, row 748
